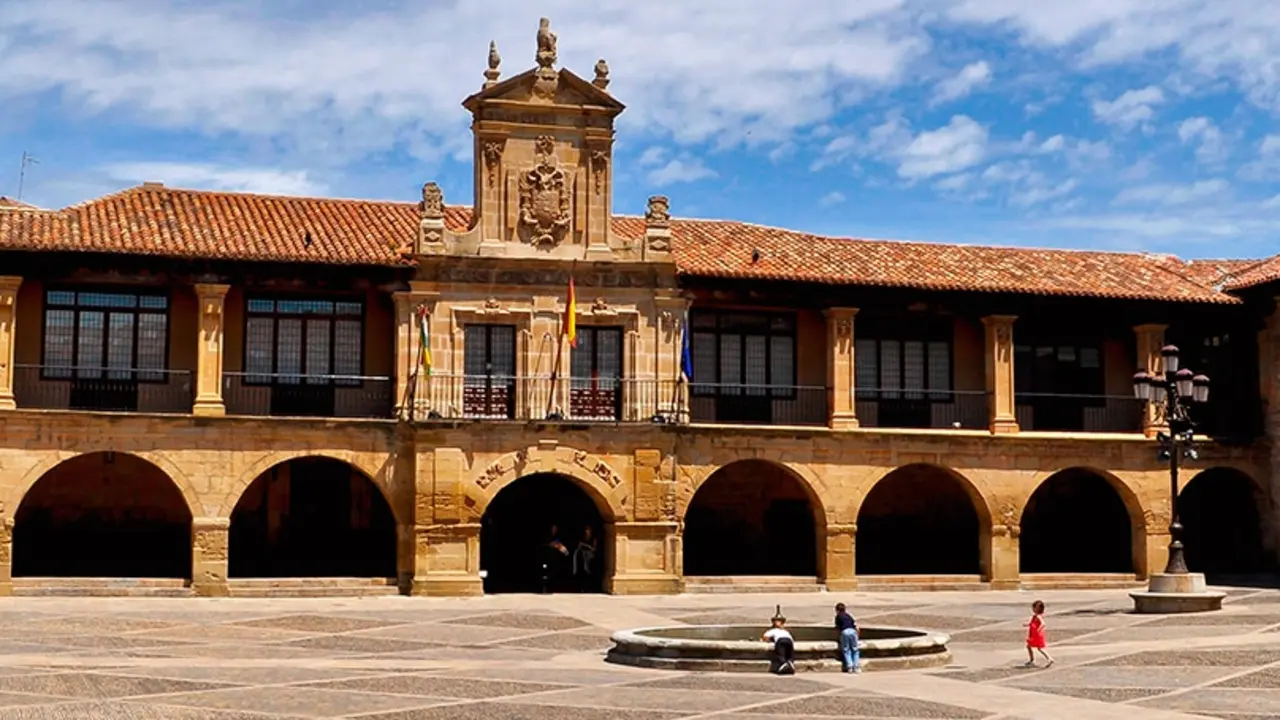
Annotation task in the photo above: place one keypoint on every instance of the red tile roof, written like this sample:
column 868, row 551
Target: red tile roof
column 1259, row 272
column 154, row 220
column 8, row 202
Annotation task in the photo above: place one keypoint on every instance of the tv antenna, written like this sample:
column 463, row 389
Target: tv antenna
column 27, row 159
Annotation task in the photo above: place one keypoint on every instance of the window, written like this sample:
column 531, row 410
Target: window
column 489, row 361
column 911, row 362
column 303, row 341
column 105, row 335
column 740, row 353
column 1059, row 369
column 596, row 374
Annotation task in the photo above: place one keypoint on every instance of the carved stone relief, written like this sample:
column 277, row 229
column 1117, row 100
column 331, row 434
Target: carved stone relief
column 432, row 205
column 599, row 168
column 492, row 160
column 545, row 197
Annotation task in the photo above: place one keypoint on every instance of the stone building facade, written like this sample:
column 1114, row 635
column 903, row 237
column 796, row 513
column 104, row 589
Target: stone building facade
column 218, row 393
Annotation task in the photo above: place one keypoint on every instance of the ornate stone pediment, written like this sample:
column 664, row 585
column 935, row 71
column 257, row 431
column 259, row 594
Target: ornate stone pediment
column 546, row 198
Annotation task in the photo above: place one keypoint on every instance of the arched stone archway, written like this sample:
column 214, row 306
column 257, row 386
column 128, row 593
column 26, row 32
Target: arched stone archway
column 753, row 517
column 312, row 517
column 1078, row 521
column 1221, row 513
column 103, row 514
column 920, row 520
column 544, row 532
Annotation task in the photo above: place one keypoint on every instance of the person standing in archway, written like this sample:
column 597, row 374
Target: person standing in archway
column 584, row 556
column 554, row 556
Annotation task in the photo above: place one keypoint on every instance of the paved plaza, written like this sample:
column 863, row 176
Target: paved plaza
column 542, row 658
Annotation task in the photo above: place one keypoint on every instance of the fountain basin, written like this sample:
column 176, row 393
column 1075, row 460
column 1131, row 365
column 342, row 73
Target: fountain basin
column 738, row 648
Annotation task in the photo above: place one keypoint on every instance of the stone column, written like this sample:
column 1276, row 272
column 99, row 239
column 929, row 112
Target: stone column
column 840, row 369
column 211, row 299
column 1150, row 342
column 446, row 531
column 407, row 333
column 6, row 556
column 998, row 347
column 8, row 337
column 839, row 566
column 210, row 538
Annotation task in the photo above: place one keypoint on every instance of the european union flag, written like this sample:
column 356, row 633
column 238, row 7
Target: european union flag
column 686, row 351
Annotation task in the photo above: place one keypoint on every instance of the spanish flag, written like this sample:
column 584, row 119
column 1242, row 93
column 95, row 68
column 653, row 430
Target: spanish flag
column 571, row 316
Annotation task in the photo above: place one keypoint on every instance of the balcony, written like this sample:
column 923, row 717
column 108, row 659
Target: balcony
column 1052, row 412
column 738, row 404
column 50, row 387
column 923, row 409
column 329, row 396
column 504, row 397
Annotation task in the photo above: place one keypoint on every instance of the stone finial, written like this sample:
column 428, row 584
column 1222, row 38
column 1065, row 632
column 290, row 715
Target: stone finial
column 658, row 215
column 432, row 205
column 777, row 614
column 546, row 56
column 491, row 75
column 602, row 74
column 657, row 229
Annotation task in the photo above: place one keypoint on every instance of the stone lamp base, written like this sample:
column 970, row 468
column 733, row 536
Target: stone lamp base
column 1171, row 594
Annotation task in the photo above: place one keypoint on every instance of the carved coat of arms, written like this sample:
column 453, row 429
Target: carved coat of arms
column 545, row 197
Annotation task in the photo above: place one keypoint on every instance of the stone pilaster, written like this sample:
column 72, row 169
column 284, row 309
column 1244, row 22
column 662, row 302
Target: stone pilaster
column 210, row 540
column 447, row 560
column 8, row 337
column 644, row 559
column 407, row 341
column 998, row 349
column 840, row 368
column 839, row 571
column 1150, row 342
column 671, row 396
column 211, row 300
column 1000, row 557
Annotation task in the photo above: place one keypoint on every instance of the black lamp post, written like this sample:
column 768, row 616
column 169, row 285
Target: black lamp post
column 1172, row 391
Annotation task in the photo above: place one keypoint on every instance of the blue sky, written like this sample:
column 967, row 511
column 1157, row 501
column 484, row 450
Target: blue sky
column 1111, row 124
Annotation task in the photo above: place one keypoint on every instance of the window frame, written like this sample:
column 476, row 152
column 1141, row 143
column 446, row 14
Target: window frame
column 716, row 388
column 135, row 374
column 1028, row 350
column 248, row 377
column 926, row 331
column 488, row 348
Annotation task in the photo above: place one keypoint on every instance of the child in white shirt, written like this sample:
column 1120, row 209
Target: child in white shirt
column 784, row 646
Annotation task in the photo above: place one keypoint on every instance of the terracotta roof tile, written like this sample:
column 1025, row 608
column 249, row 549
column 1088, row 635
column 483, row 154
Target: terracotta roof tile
column 8, row 202
column 154, row 220
column 1259, row 272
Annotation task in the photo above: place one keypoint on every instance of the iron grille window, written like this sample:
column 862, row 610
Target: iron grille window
column 105, row 335
column 740, row 353
column 596, row 374
column 303, row 341
column 489, row 363
column 1061, row 369
column 914, row 364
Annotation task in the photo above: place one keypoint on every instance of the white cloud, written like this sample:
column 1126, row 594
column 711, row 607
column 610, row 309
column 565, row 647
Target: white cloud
column 1272, row 204
column 1132, row 108
column 1266, row 164
column 679, row 170
column 960, row 144
column 1210, row 40
column 342, row 82
column 1053, row 144
column 1173, row 194
column 971, row 77
column 954, row 182
column 1211, row 146
column 199, row 176
column 834, row 197
column 652, row 156
column 1037, row 195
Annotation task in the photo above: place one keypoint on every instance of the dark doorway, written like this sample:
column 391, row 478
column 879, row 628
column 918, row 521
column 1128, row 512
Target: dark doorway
column 1075, row 522
column 103, row 515
column 750, row 518
column 1222, row 525
column 516, row 532
column 918, row 520
column 312, row 517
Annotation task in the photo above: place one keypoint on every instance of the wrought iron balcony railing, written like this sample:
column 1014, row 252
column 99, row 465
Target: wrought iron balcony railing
column 105, row 389
column 281, row 394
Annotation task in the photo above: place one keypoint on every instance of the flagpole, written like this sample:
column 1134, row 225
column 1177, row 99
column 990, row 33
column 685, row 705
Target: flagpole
column 569, row 309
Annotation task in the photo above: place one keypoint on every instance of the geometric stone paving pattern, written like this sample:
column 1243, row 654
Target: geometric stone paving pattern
column 541, row 658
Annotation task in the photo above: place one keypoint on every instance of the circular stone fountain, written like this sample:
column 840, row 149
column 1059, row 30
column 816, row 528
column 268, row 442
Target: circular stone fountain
column 738, row 648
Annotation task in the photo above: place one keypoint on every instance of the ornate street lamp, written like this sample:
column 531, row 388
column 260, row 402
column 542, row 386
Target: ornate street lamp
column 1172, row 392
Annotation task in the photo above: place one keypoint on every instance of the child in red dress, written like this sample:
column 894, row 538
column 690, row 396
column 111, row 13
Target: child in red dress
column 1035, row 635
